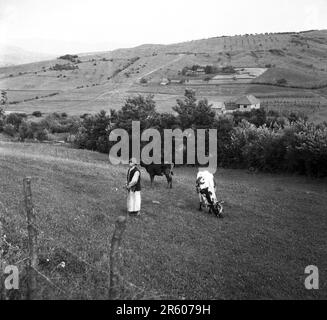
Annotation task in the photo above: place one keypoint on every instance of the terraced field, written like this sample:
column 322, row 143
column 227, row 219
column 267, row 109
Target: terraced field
column 274, row 64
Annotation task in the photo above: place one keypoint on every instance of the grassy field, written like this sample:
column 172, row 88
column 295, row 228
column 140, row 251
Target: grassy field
column 274, row 227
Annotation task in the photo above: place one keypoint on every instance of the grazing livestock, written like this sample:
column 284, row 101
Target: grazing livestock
column 206, row 189
column 160, row 170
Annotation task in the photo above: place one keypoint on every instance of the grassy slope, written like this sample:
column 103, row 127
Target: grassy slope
column 299, row 58
column 274, row 226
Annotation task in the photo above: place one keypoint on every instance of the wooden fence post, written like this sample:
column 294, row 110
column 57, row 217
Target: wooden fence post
column 114, row 264
column 32, row 239
column 2, row 260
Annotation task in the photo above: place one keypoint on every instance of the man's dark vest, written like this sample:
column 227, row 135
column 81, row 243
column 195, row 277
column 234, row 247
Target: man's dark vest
column 130, row 175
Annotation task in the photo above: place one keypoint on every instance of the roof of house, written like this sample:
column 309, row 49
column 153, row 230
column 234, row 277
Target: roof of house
column 164, row 81
column 218, row 105
column 247, row 100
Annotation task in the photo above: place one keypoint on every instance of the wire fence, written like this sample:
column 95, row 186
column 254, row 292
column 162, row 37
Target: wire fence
column 115, row 287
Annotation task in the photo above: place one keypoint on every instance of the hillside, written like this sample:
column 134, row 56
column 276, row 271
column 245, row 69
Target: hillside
column 274, row 227
column 293, row 70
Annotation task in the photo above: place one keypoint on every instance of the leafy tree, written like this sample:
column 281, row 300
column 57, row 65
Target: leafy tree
column 9, row 129
column 93, row 134
column 25, row 131
column 258, row 117
column 15, row 119
column 3, row 102
column 185, row 109
column 195, row 67
column 192, row 114
column 209, row 69
column 137, row 108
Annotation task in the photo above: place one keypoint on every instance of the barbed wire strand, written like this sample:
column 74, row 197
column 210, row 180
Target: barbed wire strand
column 49, row 280
column 61, row 245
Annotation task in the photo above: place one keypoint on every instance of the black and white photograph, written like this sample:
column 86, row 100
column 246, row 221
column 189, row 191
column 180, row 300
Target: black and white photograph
column 156, row 151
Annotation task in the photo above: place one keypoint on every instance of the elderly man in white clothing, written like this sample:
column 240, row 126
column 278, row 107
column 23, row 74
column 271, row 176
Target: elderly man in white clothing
column 133, row 187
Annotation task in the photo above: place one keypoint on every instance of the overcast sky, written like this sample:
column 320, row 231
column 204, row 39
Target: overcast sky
column 60, row 26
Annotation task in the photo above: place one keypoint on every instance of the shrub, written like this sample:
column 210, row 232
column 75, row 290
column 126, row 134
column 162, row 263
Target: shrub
column 70, row 57
column 191, row 113
column 25, row 131
column 9, row 129
column 210, row 69
column 281, row 81
column 307, row 149
column 37, row 114
column 228, row 70
column 257, row 117
column 2, row 123
column 41, row 134
column 92, row 134
column 266, row 151
column 67, row 66
column 15, row 119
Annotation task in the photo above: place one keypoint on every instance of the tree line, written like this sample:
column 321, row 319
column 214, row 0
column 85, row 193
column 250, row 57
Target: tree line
column 258, row 139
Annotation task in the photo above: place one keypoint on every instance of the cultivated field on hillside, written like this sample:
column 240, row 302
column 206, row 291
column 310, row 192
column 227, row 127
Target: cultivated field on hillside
column 103, row 80
column 274, row 227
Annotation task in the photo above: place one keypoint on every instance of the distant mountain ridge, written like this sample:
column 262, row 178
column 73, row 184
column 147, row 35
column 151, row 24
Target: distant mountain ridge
column 12, row 55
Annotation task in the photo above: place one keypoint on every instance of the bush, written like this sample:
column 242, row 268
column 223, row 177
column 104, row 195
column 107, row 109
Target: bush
column 25, row 131
column 266, row 151
column 70, row 57
column 191, row 113
column 228, row 70
column 37, row 114
column 53, row 124
column 257, row 117
column 297, row 147
column 307, row 149
column 211, row 69
column 92, row 134
column 41, row 134
column 15, row 119
column 67, row 66
column 281, row 82
column 9, row 129
column 2, row 123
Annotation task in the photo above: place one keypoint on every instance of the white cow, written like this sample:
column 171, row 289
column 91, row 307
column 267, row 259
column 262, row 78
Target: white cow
column 206, row 188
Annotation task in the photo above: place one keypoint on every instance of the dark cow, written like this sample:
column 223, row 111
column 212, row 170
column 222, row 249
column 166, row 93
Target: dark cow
column 160, row 170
